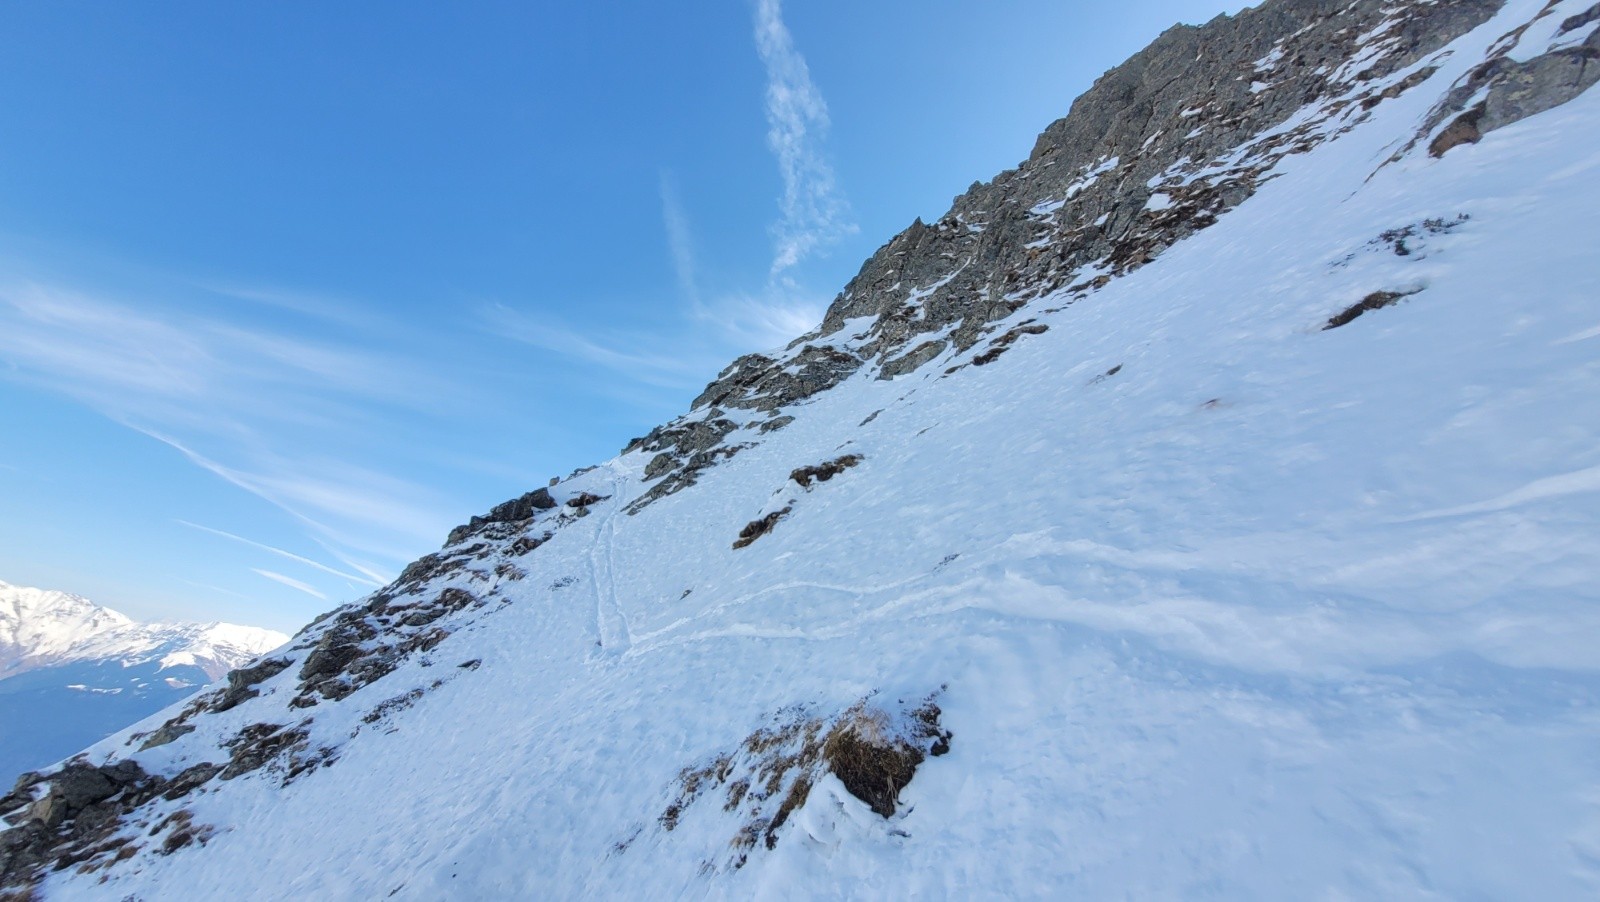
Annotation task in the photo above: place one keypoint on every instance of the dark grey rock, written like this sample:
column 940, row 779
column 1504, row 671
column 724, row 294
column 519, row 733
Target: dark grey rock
column 422, row 617
column 804, row 476
column 50, row 811
column 21, row 794
column 1572, row 23
column 241, row 686
column 256, row 745
column 455, row 599
column 685, row 437
column 660, row 465
column 190, row 779
column 1187, row 96
column 125, row 773
column 78, row 787
column 913, row 360
column 26, row 782
column 1542, row 83
column 327, row 660
column 757, row 382
column 684, row 447
column 82, row 784
column 514, row 511
column 421, row 570
column 524, row 544
column 1503, row 90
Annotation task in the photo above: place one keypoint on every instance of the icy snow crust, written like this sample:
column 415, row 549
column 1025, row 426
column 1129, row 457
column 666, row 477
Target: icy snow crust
column 1270, row 612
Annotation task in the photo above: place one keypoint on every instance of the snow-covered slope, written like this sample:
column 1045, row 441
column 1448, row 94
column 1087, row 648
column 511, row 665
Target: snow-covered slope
column 1245, row 545
column 73, row 672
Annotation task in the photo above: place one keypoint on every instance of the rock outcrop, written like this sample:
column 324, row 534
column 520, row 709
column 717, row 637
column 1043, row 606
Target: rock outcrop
column 1159, row 148
column 1517, row 81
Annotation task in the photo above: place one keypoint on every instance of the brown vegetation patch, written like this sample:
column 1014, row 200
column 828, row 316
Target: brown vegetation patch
column 755, row 529
column 584, row 499
column 1463, row 130
column 1374, row 301
column 872, row 748
column 824, row 471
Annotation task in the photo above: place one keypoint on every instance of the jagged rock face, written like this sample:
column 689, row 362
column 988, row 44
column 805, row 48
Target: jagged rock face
column 1159, row 148
column 1503, row 89
column 1184, row 105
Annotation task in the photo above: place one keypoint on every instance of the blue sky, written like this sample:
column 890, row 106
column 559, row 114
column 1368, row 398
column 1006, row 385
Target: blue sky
column 288, row 290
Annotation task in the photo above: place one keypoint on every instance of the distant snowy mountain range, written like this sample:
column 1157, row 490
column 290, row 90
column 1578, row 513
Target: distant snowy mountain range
column 73, row 672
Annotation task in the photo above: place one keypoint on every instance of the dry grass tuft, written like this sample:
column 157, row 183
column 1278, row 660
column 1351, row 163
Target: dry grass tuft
column 874, row 750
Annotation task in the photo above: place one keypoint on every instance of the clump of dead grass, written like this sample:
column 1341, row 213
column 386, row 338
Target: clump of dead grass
column 873, row 747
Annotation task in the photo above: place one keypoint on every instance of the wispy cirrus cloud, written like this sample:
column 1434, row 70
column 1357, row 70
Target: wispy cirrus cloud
column 764, row 319
column 366, row 568
column 709, row 334
column 679, row 242
column 291, row 582
column 652, row 359
column 813, row 210
column 368, row 579
column 311, row 304
column 201, row 370
column 344, row 504
column 761, row 321
column 812, row 213
column 268, row 406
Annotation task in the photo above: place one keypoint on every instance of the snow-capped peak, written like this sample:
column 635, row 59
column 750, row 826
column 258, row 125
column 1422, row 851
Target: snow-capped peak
column 43, row 627
column 43, row 623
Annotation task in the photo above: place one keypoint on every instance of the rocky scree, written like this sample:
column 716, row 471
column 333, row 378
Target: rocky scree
column 81, row 815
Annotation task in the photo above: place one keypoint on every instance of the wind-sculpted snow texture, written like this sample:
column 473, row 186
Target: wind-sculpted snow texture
column 1257, row 559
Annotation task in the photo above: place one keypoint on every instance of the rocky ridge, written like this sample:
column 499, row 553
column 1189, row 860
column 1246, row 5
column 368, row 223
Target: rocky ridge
column 1157, row 149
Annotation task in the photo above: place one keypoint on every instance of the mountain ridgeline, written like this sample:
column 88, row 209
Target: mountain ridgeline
column 1202, row 508
column 1159, row 148
column 73, row 672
